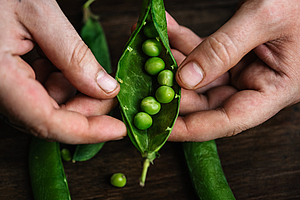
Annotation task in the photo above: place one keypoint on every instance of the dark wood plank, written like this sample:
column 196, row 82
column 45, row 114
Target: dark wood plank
column 261, row 163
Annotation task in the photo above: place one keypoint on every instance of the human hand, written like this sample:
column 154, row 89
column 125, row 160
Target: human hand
column 246, row 71
column 37, row 106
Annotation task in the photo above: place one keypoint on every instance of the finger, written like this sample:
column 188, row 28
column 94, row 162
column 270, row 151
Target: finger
column 74, row 128
column 224, row 49
column 89, row 106
column 42, row 68
column 179, row 57
column 63, row 46
column 238, row 114
column 191, row 102
column 59, row 88
column 180, row 37
column 241, row 111
column 30, row 106
column 222, row 80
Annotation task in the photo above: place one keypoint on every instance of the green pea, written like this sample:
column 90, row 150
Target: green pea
column 154, row 65
column 164, row 94
column 118, row 180
column 165, row 77
column 65, row 154
column 150, row 31
column 152, row 47
column 150, row 105
column 142, row 120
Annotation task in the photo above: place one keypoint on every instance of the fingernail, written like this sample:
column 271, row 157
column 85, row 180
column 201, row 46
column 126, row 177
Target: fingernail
column 191, row 74
column 106, row 82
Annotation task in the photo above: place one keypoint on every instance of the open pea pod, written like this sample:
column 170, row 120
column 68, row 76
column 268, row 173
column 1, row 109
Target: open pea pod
column 137, row 84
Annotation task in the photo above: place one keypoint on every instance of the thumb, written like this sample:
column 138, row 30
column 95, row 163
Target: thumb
column 223, row 49
column 65, row 49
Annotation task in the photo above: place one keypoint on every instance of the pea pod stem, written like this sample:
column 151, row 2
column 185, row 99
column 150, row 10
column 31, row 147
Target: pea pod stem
column 87, row 12
column 88, row 3
column 146, row 165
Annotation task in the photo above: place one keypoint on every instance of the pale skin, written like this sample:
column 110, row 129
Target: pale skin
column 241, row 75
column 40, row 97
column 244, row 74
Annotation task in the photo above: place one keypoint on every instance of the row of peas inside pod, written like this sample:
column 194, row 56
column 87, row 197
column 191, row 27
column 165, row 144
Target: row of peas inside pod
column 154, row 66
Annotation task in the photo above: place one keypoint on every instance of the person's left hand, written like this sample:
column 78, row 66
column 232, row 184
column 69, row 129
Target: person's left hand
column 246, row 72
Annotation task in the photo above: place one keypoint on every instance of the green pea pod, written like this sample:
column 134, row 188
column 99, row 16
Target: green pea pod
column 84, row 152
column 93, row 35
column 206, row 171
column 137, row 84
column 47, row 174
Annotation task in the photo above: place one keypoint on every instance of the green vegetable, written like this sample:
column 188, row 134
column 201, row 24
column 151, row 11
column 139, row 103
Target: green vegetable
column 65, row 154
column 165, row 77
column 93, row 35
column 164, row 94
column 150, row 105
column 84, row 152
column 136, row 84
column 206, row 171
column 48, row 180
column 142, row 120
column 150, row 31
column 152, row 47
column 154, row 65
column 118, row 180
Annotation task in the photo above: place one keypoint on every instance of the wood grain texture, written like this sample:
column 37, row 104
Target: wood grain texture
column 260, row 163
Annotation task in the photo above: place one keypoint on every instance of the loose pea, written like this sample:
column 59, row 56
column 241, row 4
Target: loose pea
column 142, row 120
column 118, row 180
column 165, row 77
column 65, row 154
column 150, row 31
column 164, row 94
column 154, row 65
column 152, row 47
column 150, row 105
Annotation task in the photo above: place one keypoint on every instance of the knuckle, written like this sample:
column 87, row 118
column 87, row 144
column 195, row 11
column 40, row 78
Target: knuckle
column 79, row 55
column 233, row 129
column 39, row 131
column 223, row 50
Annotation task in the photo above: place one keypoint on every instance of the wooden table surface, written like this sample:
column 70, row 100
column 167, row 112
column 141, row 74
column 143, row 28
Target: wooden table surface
column 260, row 163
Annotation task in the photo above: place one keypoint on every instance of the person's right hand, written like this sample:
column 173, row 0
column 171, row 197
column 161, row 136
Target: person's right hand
column 37, row 107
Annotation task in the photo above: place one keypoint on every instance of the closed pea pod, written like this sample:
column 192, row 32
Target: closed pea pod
column 136, row 84
column 48, row 180
column 206, row 171
column 93, row 35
